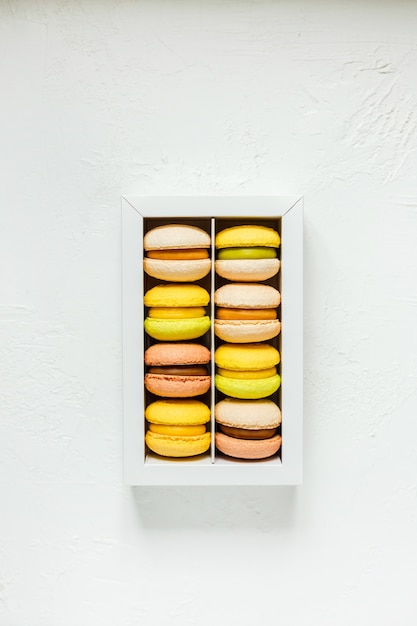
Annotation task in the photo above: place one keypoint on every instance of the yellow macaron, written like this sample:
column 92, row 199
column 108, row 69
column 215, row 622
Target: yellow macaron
column 246, row 356
column 247, row 371
column 178, row 446
column 248, row 236
column 247, row 253
column 181, row 412
column 176, row 312
column 174, row 295
column 245, row 389
column 177, row 329
column 177, row 427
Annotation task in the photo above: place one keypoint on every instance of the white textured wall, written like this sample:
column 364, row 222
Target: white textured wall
column 100, row 98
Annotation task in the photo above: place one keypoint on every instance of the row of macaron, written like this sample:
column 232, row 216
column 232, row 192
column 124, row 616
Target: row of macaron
column 244, row 313
column 238, row 320
column 178, row 424
column 180, row 253
column 247, row 420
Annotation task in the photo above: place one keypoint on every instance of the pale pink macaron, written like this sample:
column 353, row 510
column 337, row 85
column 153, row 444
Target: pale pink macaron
column 247, row 428
column 177, row 370
column 250, row 449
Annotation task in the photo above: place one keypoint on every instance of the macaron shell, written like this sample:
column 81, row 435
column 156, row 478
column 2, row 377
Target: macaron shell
column 252, row 356
column 176, row 236
column 177, row 354
column 177, row 446
column 250, row 414
column 246, row 331
column 178, row 271
column 247, row 235
column 177, row 386
column 245, row 270
column 177, row 330
column 250, row 449
column 247, row 296
column 177, row 295
column 247, row 389
column 180, row 412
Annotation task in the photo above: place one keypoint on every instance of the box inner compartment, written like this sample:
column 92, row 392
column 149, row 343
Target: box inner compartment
column 210, row 282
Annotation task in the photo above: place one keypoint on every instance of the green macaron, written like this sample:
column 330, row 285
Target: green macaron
column 247, row 389
column 177, row 329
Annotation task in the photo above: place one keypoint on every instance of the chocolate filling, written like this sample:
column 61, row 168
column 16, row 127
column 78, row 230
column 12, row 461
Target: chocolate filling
column 245, row 433
column 179, row 370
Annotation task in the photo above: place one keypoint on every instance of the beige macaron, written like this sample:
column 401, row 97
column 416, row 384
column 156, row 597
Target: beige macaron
column 177, row 271
column 173, row 240
column 176, row 237
column 240, row 299
column 247, row 296
column 250, row 414
column 246, row 331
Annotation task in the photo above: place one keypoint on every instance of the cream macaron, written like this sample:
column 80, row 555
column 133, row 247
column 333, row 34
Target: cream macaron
column 177, row 253
column 246, row 312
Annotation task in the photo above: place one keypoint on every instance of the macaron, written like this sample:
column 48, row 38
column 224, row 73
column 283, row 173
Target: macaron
column 176, row 312
column 177, row 253
column 247, row 253
column 247, row 371
column 247, row 429
column 177, row 428
column 177, row 370
column 246, row 312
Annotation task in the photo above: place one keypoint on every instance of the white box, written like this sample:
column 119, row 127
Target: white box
column 142, row 468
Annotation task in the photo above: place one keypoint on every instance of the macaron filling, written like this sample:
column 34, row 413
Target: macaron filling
column 247, row 374
column 226, row 313
column 175, row 313
column 247, row 253
column 177, row 429
column 178, row 255
column 179, row 370
column 245, row 433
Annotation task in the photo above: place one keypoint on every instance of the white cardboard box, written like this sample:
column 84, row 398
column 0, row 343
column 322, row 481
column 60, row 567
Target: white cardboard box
column 142, row 468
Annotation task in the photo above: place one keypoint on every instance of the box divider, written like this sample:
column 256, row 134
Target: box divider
column 213, row 286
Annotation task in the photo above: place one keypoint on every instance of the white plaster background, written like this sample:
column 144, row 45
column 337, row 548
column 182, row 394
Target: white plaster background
column 100, row 98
